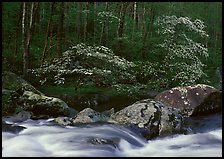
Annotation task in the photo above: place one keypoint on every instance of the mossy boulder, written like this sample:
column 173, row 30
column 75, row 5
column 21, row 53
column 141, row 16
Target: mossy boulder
column 192, row 99
column 13, row 82
column 18, row 95
column 41, row 105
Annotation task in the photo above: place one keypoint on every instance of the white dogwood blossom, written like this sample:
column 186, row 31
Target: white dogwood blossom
column 84, row 60
column 182, row 54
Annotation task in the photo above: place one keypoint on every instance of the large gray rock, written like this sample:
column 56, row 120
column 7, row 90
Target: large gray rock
column 153, row 116
column 192, row 100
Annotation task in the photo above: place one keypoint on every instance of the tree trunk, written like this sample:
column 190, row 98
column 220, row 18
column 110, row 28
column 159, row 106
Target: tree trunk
column 17, row 31
column 23, row 25
column 60, row 31
column 95, row 19
column 103, row 26
column 85, row 22
column 134, row 19
column 47, row 33
column 78, row 21
column 26, row 51
column 120, row 29
column 145, row 34
column 66, row 25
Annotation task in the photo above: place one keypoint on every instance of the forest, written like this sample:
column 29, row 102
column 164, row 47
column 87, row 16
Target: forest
column 125, row 46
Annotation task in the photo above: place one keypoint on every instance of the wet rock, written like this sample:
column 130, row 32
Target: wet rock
column 19, row 117
column 64, row 121
column 153, row 116
column 189, row 98
column 108, row 112
column 89, row 115
column 101, row 141
column 211, row 104
column 12, row 128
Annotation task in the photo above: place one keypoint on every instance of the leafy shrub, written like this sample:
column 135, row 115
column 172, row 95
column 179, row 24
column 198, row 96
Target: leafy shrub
column 181, row 55
column 85, row 63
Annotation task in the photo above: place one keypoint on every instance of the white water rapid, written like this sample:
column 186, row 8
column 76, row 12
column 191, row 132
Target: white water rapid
column 42, row 138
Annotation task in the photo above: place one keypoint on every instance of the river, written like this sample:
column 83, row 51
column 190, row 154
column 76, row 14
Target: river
column 43, row 138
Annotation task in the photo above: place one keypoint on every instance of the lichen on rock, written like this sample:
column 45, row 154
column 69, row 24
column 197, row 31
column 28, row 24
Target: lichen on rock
column 188, row 98
column 152, row 116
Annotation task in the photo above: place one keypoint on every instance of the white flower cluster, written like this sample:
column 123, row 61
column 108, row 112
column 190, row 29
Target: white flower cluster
column 101, row 16
column 85, row 60
column 182, row 57
column 104, row 54
column 169, row 23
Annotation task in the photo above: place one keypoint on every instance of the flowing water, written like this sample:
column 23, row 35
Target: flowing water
column 44, row 138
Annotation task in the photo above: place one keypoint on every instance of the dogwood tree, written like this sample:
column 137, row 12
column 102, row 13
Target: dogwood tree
column 182, row 49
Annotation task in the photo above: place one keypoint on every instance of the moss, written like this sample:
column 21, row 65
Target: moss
column 7, row 106
column 13, row 82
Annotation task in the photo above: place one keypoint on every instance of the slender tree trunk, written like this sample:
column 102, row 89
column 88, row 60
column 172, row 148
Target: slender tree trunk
column 120, row 29
column 66, row 25
column 148, row 33
column 60, row 31
column 23, row 25
column 51, row 37
column 78, row 20
column 95, row 19
column 85, row 22
column 27, row 47
column 145, row 34
column 47, row 33
column 17, row 31
column 134, row 19
column 103, row 26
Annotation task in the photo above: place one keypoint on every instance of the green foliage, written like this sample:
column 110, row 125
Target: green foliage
column 182, row 55
column 95, row 63
column 174, row 46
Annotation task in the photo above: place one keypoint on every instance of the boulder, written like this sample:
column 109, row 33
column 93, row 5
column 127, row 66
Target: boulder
column 12, row 128
column 152, row 116
column 64, row 121
column 18, row 117
column 89, row 115
column 192, row 99
column 10, row 81
column 18, row 95
column 40, row 105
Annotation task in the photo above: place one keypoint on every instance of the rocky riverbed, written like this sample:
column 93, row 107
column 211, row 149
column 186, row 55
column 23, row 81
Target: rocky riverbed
column 172, row 114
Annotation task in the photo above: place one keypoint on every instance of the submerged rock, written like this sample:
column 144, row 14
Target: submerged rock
column 153, row 116
column 12, row 128
column 190, row 99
